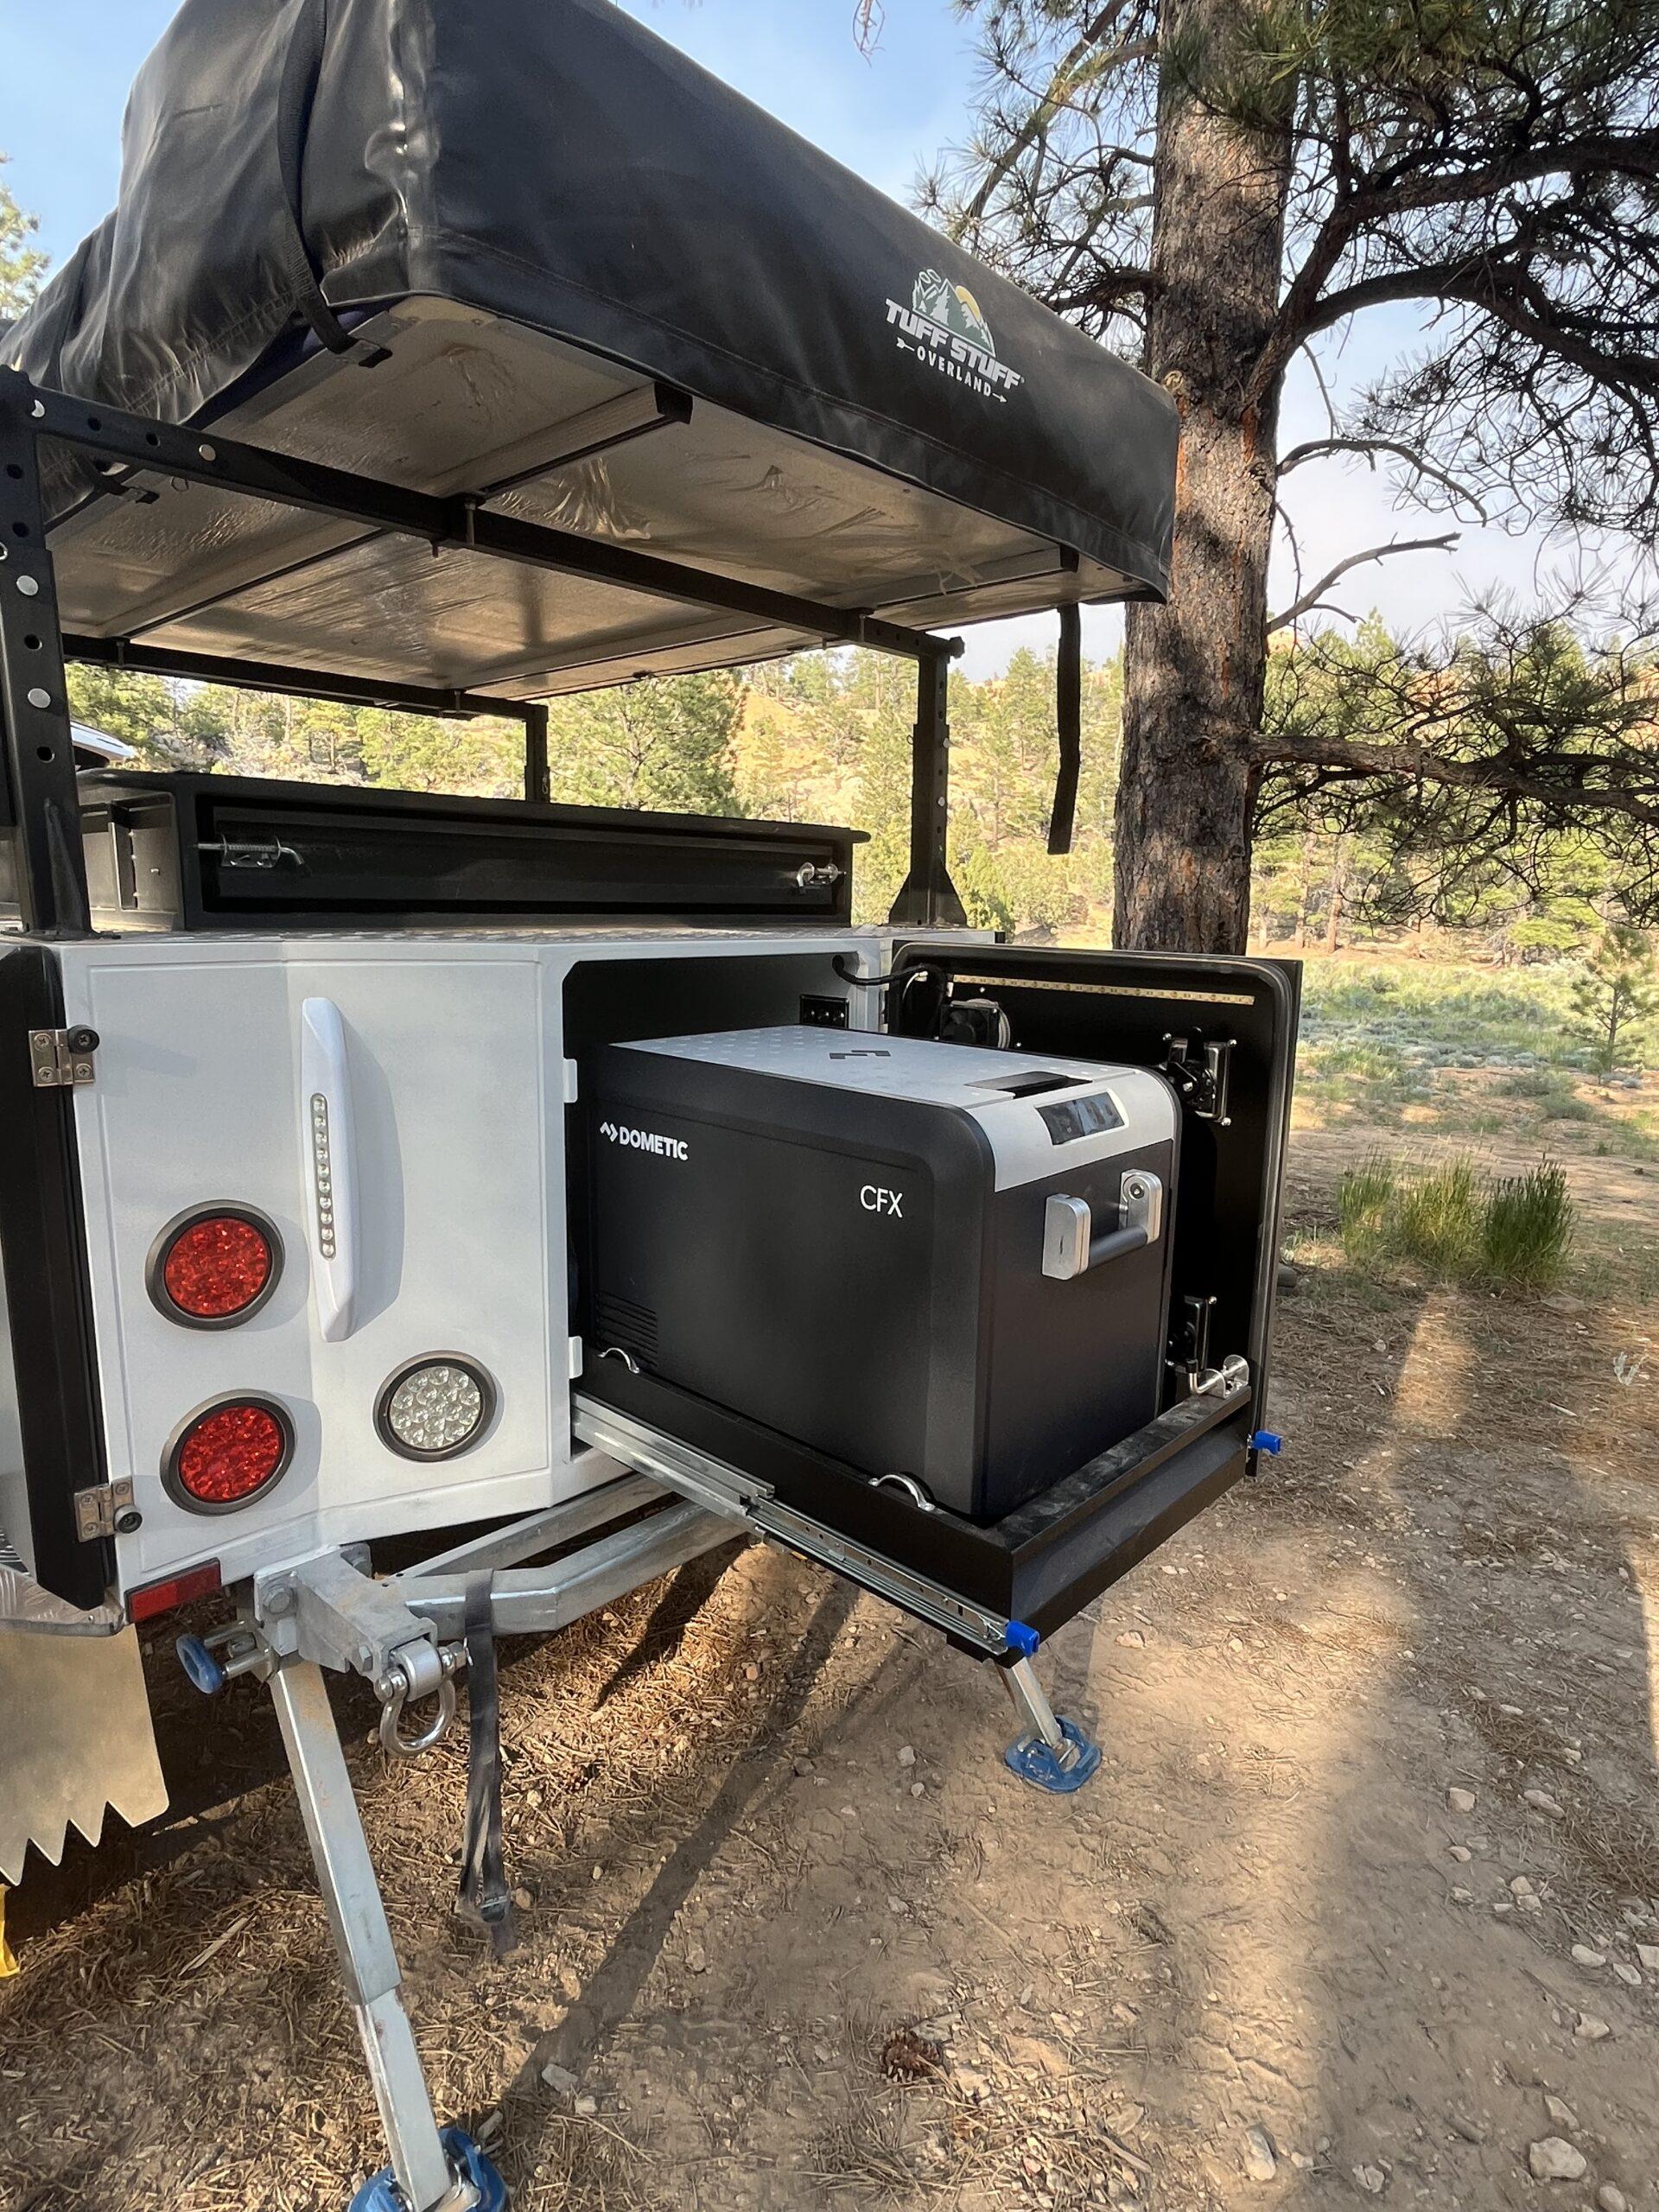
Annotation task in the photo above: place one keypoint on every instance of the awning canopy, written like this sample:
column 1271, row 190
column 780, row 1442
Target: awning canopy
column 536, row 255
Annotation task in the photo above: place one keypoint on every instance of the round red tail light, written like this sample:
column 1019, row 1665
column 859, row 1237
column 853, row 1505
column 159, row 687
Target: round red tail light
column 226, row 1454
column 214, row 1265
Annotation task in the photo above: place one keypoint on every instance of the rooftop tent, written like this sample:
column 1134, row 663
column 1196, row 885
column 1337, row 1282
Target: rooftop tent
column 533, row 254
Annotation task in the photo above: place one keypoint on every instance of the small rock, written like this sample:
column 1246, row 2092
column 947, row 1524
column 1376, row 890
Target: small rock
column 1562, row 2114
column 804, row 1766
column 1032, row 2056
column 697, row 1960
column 1131, row 1640
column 849, row 1812
column 585, row 2108
column 1260, row 2160
column 1371, row 2179
column 1461, row 1801
column 1461, row 1853
column 1627, row 1974
column 1462, row 1897
column 523, row 1899
column 1590, row 2028
column 1542, row 1801
column 1584, row 1956
column 907, row 1755
column 1649, row 1955
column 897, row 1904
column 752, row 1672
column 1520, row 1887
column 975, row 2086
column 1556, row 2160
column 559, row 2078
column 919, row 1790
column 1612, row 2199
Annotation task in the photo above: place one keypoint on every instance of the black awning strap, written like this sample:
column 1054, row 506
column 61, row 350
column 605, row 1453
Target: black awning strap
column 483, row 1896
column 297, row 89
column 1068, row 715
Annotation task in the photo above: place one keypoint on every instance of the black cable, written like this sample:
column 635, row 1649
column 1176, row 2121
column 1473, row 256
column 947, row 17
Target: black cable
column 878, row 982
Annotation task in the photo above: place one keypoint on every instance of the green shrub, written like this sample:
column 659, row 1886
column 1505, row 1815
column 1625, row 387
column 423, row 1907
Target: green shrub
column 1363, row 1197
column 1551, row 1092
column 1453, row 1221
column 1437, row 1220
column 1527, row 1228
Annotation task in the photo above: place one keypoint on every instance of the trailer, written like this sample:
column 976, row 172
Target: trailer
column 573, row 1188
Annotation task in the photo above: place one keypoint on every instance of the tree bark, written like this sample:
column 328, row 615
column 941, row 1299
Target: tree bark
column 1333, row 919
column 1195, row 668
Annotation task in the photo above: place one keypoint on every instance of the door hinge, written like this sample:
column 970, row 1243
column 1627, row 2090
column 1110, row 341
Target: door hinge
column 106, row 1509
column 62, row 1058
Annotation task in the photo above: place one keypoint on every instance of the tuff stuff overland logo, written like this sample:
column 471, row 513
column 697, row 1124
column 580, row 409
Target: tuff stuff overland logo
column 944, row 328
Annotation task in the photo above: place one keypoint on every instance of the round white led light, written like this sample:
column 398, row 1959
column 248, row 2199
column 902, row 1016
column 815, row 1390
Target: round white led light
column 435, row 1407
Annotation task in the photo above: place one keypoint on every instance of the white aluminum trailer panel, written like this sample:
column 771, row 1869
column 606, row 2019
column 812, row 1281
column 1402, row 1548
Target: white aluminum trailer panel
column 446, row 1098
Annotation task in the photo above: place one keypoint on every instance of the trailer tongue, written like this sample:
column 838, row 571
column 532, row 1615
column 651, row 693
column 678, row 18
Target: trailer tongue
column 575, row 1188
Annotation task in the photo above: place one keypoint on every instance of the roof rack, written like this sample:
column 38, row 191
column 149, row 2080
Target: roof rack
column 39, row 805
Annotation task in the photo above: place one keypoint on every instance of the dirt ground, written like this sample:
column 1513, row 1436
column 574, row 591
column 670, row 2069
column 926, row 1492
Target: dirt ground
column 759, row 1824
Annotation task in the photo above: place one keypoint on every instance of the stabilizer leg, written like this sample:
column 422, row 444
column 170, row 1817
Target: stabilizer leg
column 1050, row 1754
column 429, row 2171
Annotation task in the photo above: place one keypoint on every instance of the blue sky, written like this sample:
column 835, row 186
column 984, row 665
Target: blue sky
column 68, row 64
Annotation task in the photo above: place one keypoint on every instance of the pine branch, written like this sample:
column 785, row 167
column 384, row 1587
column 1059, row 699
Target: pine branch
column 1314, row 449
column 1308, row 600
column 1407, row 761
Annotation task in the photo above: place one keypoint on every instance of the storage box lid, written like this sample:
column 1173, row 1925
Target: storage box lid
column 1037, row 1117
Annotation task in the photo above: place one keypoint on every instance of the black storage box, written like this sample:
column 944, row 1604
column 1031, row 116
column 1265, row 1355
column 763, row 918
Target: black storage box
column 880, row 1248
column 226, row 852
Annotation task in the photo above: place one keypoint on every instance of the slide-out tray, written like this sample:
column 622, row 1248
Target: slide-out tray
column 1039, row 1565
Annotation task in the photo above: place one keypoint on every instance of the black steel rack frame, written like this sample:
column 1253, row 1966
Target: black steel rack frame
column 39, row 804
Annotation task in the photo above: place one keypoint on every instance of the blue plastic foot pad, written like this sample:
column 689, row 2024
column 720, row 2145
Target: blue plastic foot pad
column 1268, row 1440
column 381, row 2193
column 1033, row 1761
column 1022, row 1641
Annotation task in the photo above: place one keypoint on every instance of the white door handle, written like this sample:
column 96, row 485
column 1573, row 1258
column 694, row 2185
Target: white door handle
column 330, row 1140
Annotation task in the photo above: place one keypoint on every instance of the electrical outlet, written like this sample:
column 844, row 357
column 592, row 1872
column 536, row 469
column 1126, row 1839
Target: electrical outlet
column 823, row 1013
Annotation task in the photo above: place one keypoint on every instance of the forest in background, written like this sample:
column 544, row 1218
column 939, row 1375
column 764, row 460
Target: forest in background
column 826, row 737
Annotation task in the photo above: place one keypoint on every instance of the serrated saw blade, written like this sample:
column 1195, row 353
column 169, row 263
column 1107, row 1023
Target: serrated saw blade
column 75, row 1739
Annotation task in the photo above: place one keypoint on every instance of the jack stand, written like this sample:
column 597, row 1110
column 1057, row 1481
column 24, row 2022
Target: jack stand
column 429, row 2172
column 1051, row 1754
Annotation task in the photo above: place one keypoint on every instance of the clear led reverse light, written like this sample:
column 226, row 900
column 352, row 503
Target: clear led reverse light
column 435, row 1409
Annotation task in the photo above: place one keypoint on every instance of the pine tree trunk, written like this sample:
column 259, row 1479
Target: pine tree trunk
column 1333, row 919
column 1195, row 668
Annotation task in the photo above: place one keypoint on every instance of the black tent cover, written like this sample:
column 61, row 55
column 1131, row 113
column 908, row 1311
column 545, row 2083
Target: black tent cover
column 557, row 173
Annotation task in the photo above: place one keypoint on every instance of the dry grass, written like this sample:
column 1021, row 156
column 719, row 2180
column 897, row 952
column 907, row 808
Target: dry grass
column 555, row 2161
column 1613, row 1850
